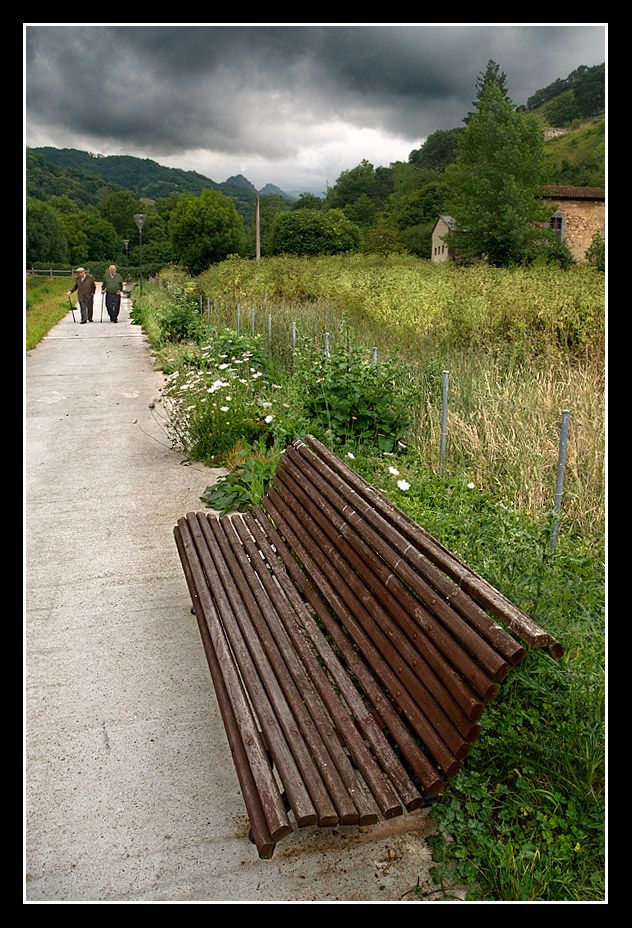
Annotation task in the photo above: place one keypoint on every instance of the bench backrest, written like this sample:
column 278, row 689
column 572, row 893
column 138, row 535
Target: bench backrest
column 438, row 637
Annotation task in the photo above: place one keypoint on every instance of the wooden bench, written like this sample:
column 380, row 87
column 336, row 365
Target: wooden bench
column 352, row 655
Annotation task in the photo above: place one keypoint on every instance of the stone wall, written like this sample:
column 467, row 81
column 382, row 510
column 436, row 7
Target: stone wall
column 581, row 216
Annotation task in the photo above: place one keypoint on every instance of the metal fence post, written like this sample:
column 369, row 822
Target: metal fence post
column 561, row 465
column 444, row 421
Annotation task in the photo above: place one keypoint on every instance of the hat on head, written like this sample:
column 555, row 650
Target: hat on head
column 79, row 270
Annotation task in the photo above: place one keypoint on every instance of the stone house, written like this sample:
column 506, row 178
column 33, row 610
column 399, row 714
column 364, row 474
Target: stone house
column 580, row 212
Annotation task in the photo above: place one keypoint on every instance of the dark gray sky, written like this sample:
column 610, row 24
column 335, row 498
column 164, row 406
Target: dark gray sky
column 292, row 104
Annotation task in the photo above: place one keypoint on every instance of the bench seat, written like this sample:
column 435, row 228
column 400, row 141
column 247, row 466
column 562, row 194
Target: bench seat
column 352, row 655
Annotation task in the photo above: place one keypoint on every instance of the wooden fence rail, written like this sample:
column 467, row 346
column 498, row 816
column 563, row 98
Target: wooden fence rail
column 49, row 272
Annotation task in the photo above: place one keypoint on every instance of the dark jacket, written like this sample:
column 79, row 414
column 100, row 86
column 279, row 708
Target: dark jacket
column 85, row 287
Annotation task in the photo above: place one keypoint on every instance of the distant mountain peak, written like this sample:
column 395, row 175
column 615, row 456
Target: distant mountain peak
column 273, row 189
column 238, row 180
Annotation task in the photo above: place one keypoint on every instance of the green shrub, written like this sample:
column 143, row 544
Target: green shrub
column 247, row 483
column 351, row 398
column 180, row 320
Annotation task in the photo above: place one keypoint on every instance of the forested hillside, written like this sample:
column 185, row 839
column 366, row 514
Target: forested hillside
column 87, row 178
column 80, row 206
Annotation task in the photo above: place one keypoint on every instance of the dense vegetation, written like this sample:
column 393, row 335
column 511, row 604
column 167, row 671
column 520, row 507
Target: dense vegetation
column 80, row 206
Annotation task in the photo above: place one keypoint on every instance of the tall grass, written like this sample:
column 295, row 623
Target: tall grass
column 520, row 346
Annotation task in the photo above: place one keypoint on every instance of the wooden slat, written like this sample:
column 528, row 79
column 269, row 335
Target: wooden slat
column 397, row 554
column 282, row 736
column 336, row 805
column 478, row 589
column 400, row 656
column 357, row 709
column 265, row 805
column 435, row 673
column 291, row 614
column 338, row 598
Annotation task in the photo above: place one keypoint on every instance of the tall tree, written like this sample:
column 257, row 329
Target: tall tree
column 491, row 75
column 494, row 186
column 205, row 229
column 46, row 239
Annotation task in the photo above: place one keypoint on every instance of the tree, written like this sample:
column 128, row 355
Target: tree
column 271, row 205
column 376, row 183
column 494, row 186
column 314, row 232
column 491, row 75
column 438, row 151
column 204, row 230
column 46, row 240
column 308, row 201
column 90, row 237
column 119, row 208
column 102, row 241
column 590, row 90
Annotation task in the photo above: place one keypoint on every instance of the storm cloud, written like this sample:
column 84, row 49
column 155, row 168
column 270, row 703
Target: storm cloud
column 290, row 104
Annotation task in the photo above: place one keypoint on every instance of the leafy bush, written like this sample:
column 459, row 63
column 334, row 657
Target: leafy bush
column 314, row 232
column 596, row 253
column 222, row 396
column 246, row 484
column 180, row 320
column 351, row 398
column 217, row 399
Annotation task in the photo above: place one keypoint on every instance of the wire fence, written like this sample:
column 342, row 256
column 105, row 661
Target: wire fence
column 543, row 459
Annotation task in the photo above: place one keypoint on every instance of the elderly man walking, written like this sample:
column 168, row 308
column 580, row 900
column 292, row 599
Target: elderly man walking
column 113, row 286
column 85, row 287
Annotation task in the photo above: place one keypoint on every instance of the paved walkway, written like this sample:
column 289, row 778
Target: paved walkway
column 130, row 791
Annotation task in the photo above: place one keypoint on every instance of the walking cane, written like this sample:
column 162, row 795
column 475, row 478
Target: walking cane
column 72, row 310
column 102, row 299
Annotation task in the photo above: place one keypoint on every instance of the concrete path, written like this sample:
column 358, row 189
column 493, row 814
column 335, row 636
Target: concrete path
column 130, row 791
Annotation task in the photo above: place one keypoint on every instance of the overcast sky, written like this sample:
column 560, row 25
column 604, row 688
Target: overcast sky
column 292, row 104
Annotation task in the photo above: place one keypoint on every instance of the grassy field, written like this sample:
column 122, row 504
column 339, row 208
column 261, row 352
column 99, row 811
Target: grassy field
column 520, row 346
column 46, row 304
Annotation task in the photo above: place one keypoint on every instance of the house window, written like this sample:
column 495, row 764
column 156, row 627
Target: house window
column 557, row 225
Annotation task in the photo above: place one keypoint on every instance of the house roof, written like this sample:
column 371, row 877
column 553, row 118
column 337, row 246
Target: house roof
column 574, row 193
column 449, row 221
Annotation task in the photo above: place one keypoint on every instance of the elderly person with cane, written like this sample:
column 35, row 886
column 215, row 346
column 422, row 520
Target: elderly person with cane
column 85, row 287
column 112, row 285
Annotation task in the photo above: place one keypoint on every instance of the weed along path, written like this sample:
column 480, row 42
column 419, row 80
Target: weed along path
column 130, row 791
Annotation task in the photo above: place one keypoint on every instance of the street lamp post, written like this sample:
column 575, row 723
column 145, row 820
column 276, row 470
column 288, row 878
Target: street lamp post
column 139, row 218
column 126, row 243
